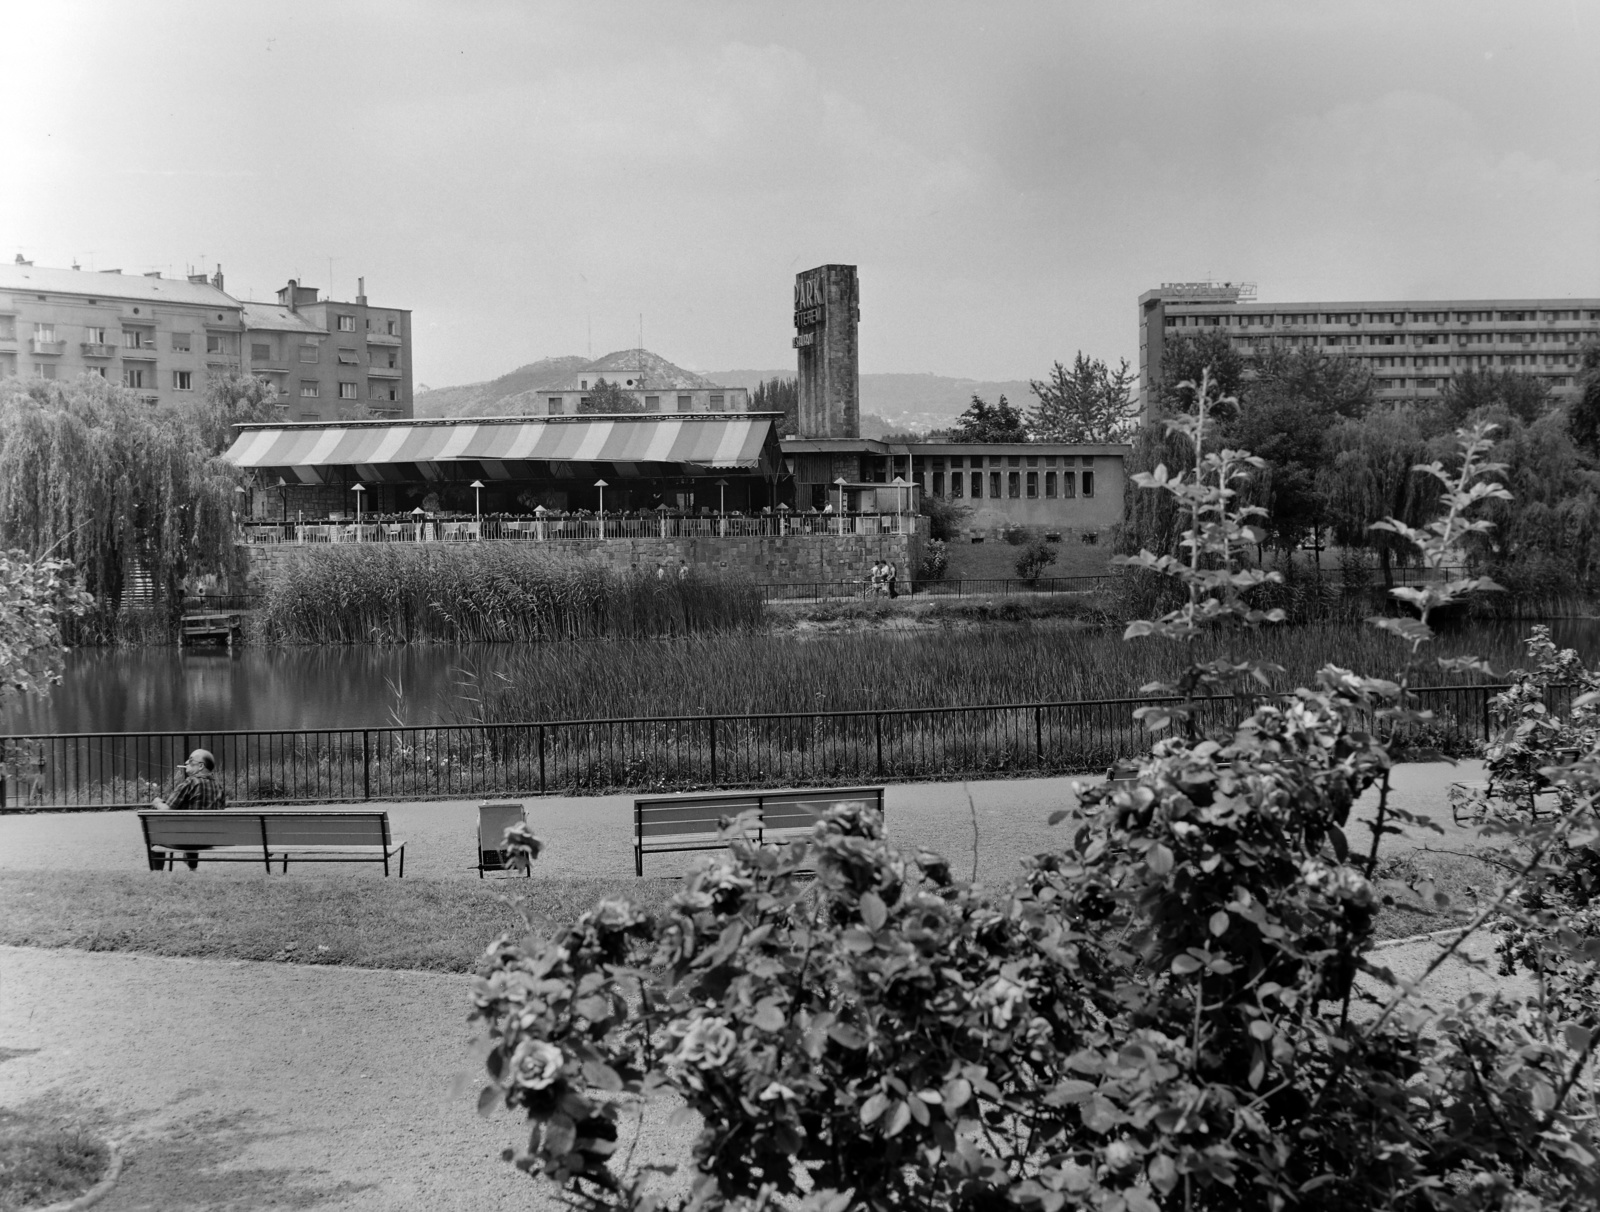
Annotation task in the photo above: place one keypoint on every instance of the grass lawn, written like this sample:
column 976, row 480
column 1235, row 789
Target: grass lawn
column 444, row 925
column 45, row 1161
column 431, row 925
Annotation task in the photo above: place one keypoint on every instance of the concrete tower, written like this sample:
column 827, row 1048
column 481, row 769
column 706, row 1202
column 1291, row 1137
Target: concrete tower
column 827, row 309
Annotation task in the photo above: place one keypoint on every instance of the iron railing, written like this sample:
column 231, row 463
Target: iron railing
column 581, row 528
column 589, row 757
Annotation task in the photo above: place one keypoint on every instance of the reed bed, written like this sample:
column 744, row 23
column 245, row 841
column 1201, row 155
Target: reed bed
column 487, row 594
column 751, row 674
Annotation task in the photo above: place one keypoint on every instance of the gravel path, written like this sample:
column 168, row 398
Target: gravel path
column 249, row 1085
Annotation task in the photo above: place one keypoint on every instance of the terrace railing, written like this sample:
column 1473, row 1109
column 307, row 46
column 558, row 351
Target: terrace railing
column 581, row 528
column 586, row 757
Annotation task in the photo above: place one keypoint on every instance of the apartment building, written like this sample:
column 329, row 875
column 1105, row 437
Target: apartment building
column 330, row 360
column 162, row 336
column 1413, row 347
column 158, row 336
column 573, row 398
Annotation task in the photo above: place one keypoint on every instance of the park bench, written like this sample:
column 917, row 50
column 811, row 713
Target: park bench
column 672, row 824
column 238, row 836
column 493, row 821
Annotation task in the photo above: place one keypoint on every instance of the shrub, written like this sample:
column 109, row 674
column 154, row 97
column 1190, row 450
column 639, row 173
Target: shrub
column 1163, row 1013
column 1034, row 558
column 935, row 562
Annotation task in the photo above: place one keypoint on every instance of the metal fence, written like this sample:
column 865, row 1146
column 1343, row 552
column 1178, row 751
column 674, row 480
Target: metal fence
column 590, row 528
column 589, row 757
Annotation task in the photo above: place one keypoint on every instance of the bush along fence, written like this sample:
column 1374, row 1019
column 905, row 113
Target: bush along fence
column 82, row 771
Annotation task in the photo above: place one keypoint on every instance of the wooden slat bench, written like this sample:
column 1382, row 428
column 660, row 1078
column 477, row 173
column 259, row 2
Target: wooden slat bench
column 242, row 836
column 672, row 824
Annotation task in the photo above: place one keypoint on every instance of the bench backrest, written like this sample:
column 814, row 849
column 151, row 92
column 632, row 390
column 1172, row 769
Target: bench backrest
column 326, row 828
column 702, row 813
column 202, row 828
column 494, row 820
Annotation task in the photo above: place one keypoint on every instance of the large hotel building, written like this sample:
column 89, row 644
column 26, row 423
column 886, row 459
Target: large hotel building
column 162, row 336
column 1412, row 346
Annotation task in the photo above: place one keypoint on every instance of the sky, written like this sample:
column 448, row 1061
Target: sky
column 539, row 179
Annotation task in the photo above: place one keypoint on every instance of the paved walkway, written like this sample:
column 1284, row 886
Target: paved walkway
column 594, row 836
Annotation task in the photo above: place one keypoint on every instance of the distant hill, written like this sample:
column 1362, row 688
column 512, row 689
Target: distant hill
column 889, row 402
column 514, row 394
column 895, row 403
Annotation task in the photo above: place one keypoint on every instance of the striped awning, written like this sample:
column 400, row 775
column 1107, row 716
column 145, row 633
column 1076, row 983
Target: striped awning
column 504, row 446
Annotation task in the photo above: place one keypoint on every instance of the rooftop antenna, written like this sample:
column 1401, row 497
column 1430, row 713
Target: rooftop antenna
column 590, row 346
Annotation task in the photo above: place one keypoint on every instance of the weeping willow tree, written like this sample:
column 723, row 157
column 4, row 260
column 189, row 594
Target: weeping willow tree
column 90, row 473
column 1370, row 474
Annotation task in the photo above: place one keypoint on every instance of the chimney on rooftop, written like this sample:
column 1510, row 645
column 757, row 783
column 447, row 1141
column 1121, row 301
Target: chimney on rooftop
column 361, row 292
column 154, row 273
column 199, row 280
column 22, row 261
column 216, row 278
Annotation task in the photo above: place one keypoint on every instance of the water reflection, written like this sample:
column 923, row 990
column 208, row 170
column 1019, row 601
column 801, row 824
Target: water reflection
column 170, row 690
column 349, row 686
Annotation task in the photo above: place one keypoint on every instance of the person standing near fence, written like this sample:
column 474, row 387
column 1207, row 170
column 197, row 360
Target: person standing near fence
column 890, row 572
column 196, row 791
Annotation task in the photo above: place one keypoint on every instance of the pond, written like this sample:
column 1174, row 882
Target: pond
column 345, row 686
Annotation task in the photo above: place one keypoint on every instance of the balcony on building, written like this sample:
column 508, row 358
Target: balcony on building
column 384, row 372
column 46, row 347
column 382, row 338
column 143, row 353
column 97, row 349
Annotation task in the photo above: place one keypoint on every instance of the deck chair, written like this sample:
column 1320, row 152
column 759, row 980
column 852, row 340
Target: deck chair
column 493, row 821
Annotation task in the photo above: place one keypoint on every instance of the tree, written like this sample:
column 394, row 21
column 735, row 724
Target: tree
column 35, row 595
column 1370, row 473
column 1286, row 415
column 1186, row 358
column 1089, row 403
column 1526, row 397
column 231, row 399
column 91, row 473
column 607, row 397
column 779, row 395
column 983, row 422
column 1583, row 414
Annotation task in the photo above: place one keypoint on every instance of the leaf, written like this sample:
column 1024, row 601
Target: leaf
column 601, row 1076
column 1219, row 922
column 899, row 1117
column 874, row 1107
column 1069, row 1091
column 1159, row 859
column 1184, row 964
column 873, row 911
column 847, row 1036
column 769, row 1016
column 957, row 1093
column 1163, row 1174
column 487, row 1098
column 1341, row 844
column 1258, row 1067
column 1262, row 1030
column 560, row 1134
column 1577, row 1037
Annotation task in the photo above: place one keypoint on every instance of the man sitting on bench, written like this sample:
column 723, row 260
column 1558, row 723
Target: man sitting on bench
column 197, row 791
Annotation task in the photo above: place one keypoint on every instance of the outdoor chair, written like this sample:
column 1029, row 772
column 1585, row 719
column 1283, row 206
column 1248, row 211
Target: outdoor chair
column 493, row 821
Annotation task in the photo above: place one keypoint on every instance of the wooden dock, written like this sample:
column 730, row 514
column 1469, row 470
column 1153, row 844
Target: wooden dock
column 211, row 628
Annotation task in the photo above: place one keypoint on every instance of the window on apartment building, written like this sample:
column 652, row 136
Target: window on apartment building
column 1049, row 484
column 977, row 485
column 392, row 327
column 938, row 485
column 181, row 342
column 652, row 403
column 136, row 338
column 183, row 380
column 45, row 333
column 260, row 353
column 957, row 483
column 309, row 389
column 685, row 403
column 310, row 415
column 44, row 370
column 1033, row 484
column 99, row 371
column 94, row 336
column 216, row 343
column 347, row 324
column 347, row 357
column 994, row 485
column 1069, row 483
column 1014, row 460
column 8, row 328
column 1088, row 483
column 718, row 404
column 554, row 406
column 133, row 376
column 347, row 391
column 310, row 351
column 583, row 402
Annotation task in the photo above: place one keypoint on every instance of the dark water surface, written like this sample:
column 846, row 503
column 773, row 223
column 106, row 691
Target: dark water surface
column 343, row 686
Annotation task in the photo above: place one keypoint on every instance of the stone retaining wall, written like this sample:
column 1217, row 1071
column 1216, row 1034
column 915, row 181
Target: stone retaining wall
column 791, row 560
